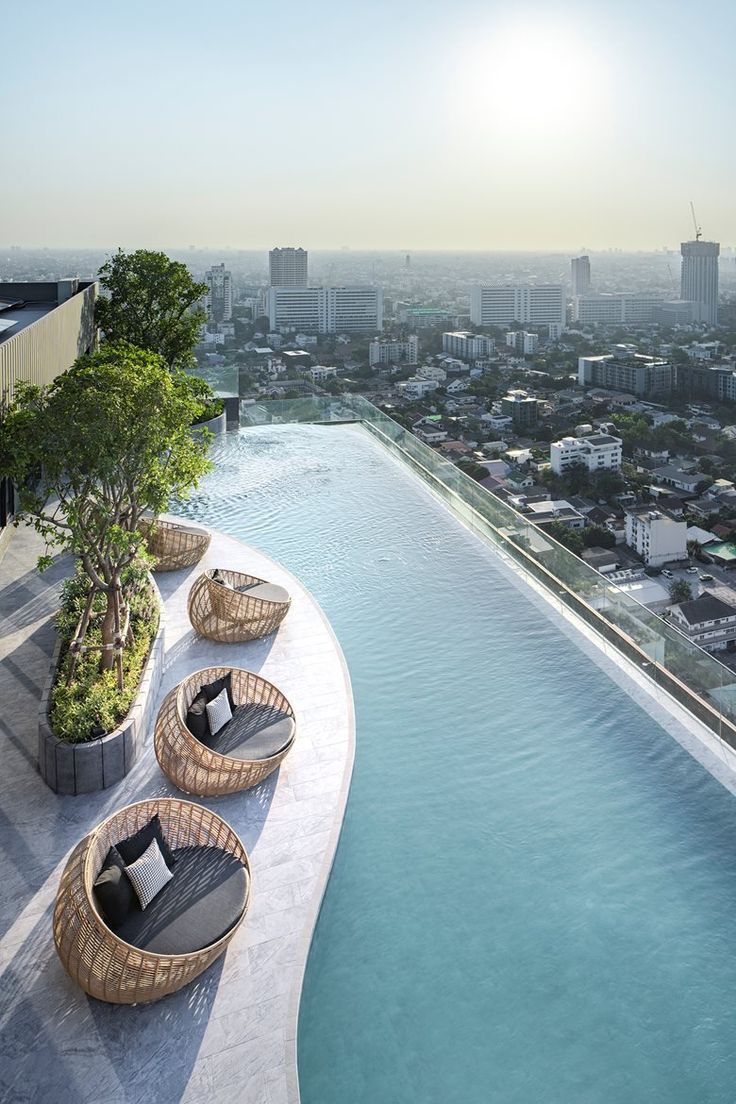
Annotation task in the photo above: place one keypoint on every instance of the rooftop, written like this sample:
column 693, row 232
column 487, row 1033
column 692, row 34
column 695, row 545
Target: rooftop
column 705, row 608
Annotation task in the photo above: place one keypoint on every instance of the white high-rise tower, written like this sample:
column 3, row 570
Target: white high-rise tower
column 699, row 282
column 219, row 298
column 580, row 271
column 288, row 267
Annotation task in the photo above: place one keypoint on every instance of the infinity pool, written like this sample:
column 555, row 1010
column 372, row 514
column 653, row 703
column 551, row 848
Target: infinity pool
column 534, row 894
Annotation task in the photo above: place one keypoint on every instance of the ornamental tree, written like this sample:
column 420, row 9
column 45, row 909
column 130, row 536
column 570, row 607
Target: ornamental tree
column 151, row 302
column 106, row 441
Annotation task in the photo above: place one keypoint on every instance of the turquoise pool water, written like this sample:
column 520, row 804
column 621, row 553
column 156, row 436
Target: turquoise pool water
column 534, row 892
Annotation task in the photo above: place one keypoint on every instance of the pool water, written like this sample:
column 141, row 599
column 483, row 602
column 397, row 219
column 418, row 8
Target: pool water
column 534, row 892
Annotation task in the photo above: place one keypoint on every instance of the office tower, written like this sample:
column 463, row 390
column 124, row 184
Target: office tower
column 219, row 298
column 288, row 267
column 580, row 270
column 699, row 281
column 531, row 304
column 325, row 310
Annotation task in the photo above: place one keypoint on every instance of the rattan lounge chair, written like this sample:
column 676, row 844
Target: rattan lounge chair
column 231, row 607
column 174, row 546
column 206, row 899
column 250, row 746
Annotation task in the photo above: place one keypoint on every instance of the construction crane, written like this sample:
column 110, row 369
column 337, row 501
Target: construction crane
column 698, row 231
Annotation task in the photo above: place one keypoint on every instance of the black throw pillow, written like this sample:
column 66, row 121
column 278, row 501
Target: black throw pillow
column 114, row 892
column 197, row 721
column 212, row 689
column 133, row 847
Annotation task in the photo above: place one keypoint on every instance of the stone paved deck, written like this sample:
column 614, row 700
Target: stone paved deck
column 230, row 1036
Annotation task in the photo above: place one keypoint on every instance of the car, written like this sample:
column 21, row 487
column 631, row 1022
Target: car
column 706, row 578
column 667, row 574
column 692, row 571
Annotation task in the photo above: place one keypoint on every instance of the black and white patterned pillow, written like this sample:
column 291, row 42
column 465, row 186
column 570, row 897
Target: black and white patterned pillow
column 149, row 874
column 219, row 712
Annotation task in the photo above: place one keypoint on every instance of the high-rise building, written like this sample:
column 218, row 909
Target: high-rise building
column 640, row 375
column 699, row 279
column 325, row 310
column 288, row 267
column 466, row 345
column 580, row 272
column 613, row 310
column 393, row 350
column 530, row 304
column 219, row 298
column 521, row 408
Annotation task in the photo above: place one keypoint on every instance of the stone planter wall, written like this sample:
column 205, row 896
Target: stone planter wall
column 214, row 425
column 84, row 768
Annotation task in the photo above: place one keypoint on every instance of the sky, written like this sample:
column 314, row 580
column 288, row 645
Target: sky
column 411, row 124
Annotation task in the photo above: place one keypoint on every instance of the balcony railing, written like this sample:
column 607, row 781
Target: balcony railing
column 706, row 687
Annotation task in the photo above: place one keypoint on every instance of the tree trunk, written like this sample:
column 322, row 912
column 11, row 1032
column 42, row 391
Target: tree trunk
column 107, row 661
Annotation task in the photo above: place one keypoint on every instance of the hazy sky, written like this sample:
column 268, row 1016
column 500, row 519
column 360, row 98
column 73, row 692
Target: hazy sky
column 404, row 124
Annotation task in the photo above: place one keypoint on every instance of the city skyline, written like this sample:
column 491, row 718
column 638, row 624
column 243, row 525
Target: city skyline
column 546, row 127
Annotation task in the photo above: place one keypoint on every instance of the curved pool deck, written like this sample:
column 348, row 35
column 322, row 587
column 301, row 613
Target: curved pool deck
column 231, row 1035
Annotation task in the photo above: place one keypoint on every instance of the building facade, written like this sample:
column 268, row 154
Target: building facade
column 640, row 375
column 522, row 342
column 528, row 304
column 325, row 310
column 288, row 267
column 616, row 310
column 707, row 381
column 219, row 298
column 699, row 278
column 707, row 621
column 467, row 346
column 656, row 538
column 523, row 410
column 598, row 452
column 580, row 275
column 393, row 351
column 44, row 327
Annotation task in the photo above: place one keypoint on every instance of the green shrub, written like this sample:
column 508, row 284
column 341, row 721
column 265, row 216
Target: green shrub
column 92, row 705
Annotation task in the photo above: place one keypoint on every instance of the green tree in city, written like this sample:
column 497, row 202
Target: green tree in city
column 680, row 591
column 106, row 441
column 570, row 538
column 152, row 302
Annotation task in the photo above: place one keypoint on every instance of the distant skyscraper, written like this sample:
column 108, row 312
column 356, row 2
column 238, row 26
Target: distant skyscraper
column 580, row 267
column 407, row 260
column 219, row 299
column 288, row 267
column 699, row 282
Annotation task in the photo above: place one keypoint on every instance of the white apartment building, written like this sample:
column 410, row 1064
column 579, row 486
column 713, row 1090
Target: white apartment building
column 599, row 452
column 325, row 310
column 418, row 388
column 393, row 351
column 288, row 267
column 530, row 304
column 613, row 310
column 466, row 345
column 656, row 538
column 707, row 621
column 320, row 373
column 219, row 298
column 432, row 372
column 522, row 342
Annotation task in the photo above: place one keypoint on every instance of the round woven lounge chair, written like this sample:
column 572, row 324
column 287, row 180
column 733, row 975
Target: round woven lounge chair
column 212, row 872
column 174, row 546
column 249, row 748
column 231, row 607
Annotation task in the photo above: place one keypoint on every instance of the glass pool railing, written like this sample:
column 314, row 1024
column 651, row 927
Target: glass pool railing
column 706, row 687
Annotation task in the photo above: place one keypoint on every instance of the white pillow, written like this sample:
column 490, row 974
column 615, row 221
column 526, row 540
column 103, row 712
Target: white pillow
column 219, row 712
column 149, row 874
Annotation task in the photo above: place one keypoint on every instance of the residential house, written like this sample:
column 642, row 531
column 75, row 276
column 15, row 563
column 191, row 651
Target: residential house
column 707, row 621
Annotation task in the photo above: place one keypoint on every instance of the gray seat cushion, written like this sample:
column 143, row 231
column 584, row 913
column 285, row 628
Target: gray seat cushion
column 255, row 732
column 269, row 592
column 201, row 903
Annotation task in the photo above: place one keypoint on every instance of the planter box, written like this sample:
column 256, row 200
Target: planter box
column 97, row 764
column 214, row 425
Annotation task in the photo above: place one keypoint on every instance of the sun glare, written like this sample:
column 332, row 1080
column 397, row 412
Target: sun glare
column 535, row 83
